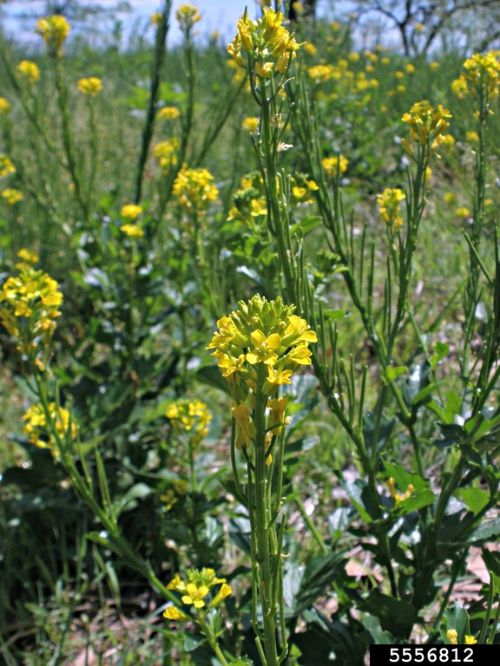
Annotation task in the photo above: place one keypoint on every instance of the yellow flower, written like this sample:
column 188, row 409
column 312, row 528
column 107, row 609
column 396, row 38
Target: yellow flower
column 5, row 106
column 195, row 595
column 470, row 640
column 54, row 30
column 6, row 166
column 389, row 204
column 131, row 211
column 155, row 18
column 332, row 165
column 192, row 416
column 482, row 74
column 187, row 15
column 29, row 305
column 434, row 66
column 250, row 124
column 244, row 425
column 452, row 636
column 225, row 591
column 197, row 587
column 27, row 256
column 37, row 430
column 12, row 196
column 399, row 497
column 459, row 87
column 472, row 137
column 399, row 75
column 277, row 408
column 410, row 68
column 269, row 44
column 29, row 71
column 194, row 189
column 449, row 197
column 427, row 124
column 323, row 73
column 173, row 613
column 261, row 334
column 279, row 377
column 90, row 86
column 132, row 230
column 462, row 212
column 166, row 153
column 169, row 113
column 310, row 48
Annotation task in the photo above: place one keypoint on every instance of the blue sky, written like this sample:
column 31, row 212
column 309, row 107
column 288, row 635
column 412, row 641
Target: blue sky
column 218, row 15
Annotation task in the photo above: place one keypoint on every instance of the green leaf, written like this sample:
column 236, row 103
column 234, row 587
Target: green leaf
column 380, row 637
column 404, row 478
column 319, row 573
column 441, row 350
column 415, row 502
column 392, row 373
column 210, row 375
column 306, row 224
column 395, row 615
column 473, row 498
column 333, row 315
column 355, row 491
column 492, row 561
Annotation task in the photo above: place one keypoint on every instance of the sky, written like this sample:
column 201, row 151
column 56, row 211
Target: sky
column 220, row 15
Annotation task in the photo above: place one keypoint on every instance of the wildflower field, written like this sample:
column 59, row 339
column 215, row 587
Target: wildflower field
column 249, row 341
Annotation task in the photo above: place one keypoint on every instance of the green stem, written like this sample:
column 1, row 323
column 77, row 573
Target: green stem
column 262, row 520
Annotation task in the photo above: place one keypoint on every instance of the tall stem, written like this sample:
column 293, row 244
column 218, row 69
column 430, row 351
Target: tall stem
column 262, row 533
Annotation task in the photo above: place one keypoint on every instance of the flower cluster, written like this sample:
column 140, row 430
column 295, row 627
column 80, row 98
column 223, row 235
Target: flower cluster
column 249, row 201
column 481, row 77
column 197, row 590
column 36, row 427
column 90, row 86
column 389, row 205
column 29, row 71
column 131, row 211
column 251, row 124
column 262, row 336
column 452, row 636
column 54, row 30
column 169, row 113
column 165, row 153
column 258, row 348
column 172, row 495
column 192, row 416
column 332, row 165
column 29, row 307
column 5, row 105
column 428, row 125
column 397, row 496
column 194, row 188
column 266, row 42
column 12, row 196
column 27, row 257
column 6, row 166
column 187, row 15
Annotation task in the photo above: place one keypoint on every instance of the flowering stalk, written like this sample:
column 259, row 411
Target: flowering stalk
column 158, row 61
column 258, row 348
column 480, row 81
